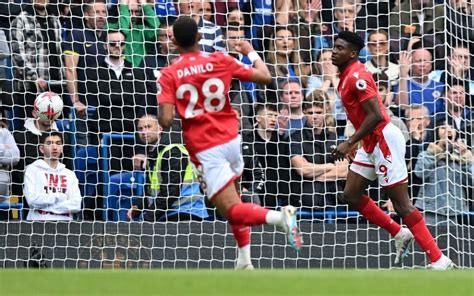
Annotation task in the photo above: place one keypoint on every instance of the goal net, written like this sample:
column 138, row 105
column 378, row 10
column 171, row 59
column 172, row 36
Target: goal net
column 141, row 204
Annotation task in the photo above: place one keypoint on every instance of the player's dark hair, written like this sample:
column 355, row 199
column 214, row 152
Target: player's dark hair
column 185, row 31
column 45, row 135
column 353, row 38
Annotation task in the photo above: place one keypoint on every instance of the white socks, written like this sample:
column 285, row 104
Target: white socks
column 273, row 218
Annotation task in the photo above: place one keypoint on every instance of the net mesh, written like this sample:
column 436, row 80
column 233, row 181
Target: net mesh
column 103, row 60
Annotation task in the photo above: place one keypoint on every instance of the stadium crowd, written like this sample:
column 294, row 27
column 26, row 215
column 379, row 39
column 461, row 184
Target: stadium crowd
column 103, row 58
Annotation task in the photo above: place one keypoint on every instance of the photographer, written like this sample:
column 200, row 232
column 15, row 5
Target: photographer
column 446, row 170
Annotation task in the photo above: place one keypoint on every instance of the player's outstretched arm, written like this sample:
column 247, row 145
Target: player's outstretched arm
column 260, row 73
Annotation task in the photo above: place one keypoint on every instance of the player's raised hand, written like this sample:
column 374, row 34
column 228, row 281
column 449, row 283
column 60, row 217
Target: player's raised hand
column 244, row 47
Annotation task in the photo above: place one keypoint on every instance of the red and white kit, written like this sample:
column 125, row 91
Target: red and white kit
column 198, row 84
column 383, row 151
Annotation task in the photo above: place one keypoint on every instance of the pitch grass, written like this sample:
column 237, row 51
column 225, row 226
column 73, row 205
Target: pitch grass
column 242, row 283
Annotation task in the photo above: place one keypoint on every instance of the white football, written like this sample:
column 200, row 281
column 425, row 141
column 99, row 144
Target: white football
column 48, row 106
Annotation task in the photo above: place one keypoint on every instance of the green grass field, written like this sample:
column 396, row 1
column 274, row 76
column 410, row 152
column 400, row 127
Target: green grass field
column 242, row 283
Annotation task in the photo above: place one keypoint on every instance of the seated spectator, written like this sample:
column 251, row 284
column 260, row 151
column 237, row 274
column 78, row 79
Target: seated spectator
column 9, row 157
column 52, row 190
column 171, row 182
column 446, row 171
column 417, row 120
column 308, row 18
column 457, row 114
column 415, row 86
column 459, row 63
column 345, row 12
column 312, row 162
column 378, row 48
column 272, row 153
column 291, row 117
column 139, row 23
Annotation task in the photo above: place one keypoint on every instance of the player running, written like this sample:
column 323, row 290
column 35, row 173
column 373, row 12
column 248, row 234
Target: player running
column 197, row 85
column 382, row 155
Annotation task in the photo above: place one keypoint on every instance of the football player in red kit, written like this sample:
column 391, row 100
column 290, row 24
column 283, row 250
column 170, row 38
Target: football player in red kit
column 197, row 86
column 381, row 156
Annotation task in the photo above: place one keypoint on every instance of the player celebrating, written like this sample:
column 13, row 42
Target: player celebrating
column 197, row 85
column 382, row 154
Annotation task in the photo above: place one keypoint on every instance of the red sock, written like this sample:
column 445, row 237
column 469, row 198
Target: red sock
column 422, row 234
column 247, row 214
column 375, row 215
column 241, row 234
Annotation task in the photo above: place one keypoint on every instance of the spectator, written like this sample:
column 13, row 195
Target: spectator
column 36, row 55
column 211, row 34
column 242, row 94
column 378, row 48
column 165, row 54
column 261, row 13
column 459, row 63
column 253, row 178
column 345, row 12
column 291, row 117
column 457, row 114
column 446, row 170
column 460, row 23
column 308, row 19
column 235, row 16
column 416, row 18
column 271, row 151
column 417, row 120
column 318, row 174
column 84, row 50
column 52, row 190
column 325, row 78
column 415, row 85
column 4, row 54
column 139, row 23
column 172, row 184
column 208, row 11
column 119, row 91
column 165, row 10
column 9, row 157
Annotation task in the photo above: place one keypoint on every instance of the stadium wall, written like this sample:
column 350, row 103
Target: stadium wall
column 208, row 245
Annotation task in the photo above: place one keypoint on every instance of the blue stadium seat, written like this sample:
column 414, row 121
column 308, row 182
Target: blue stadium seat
column 123, row 188
column 86, row 169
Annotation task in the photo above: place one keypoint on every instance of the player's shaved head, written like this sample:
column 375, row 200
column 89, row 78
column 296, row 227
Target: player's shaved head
column 185, row 31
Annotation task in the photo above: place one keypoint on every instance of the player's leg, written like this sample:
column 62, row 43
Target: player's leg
column 412, row 217
column 389, row 158
column 354, row 194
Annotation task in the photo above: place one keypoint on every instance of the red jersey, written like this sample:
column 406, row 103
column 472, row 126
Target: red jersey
column 198, row 85
column 356, row 85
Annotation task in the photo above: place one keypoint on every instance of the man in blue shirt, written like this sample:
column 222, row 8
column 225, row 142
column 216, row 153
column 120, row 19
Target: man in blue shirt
column 418, row 88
